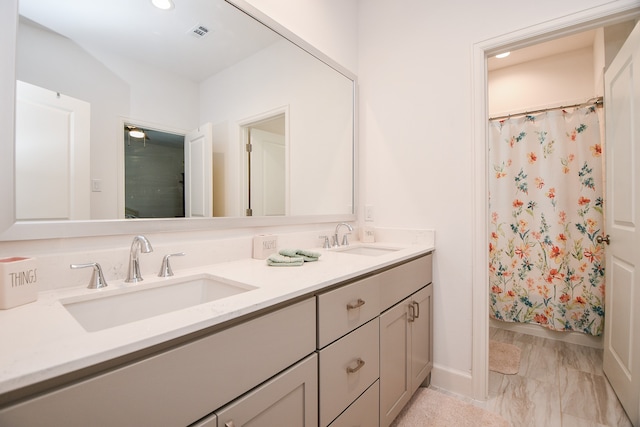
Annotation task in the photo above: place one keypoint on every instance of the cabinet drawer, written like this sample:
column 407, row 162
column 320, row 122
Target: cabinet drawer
column 399, row 282
column 348, row 367
column 344, row 309
column 179, row 386
column 363, row 412
column 290, row 399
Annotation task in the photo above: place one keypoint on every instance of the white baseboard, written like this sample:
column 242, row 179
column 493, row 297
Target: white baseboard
column 452, row 380
column 539, row 331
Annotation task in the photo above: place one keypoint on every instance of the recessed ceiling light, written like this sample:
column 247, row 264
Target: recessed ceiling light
column 136, row 133
column 163, row 4
column 503, row 55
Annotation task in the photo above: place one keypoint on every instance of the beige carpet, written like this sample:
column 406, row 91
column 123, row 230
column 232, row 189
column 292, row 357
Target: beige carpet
column 504, row 358
column 435, row 409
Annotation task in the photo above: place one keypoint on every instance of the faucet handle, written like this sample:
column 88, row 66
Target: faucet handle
column 97, row 279
column 165, row 268
column 326, row 244
column 345, row 239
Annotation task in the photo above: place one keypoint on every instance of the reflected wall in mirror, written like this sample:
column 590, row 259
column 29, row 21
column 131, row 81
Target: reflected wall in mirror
column 204, row 61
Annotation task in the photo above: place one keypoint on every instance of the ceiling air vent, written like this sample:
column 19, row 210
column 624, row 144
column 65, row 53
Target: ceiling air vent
column 199, row 31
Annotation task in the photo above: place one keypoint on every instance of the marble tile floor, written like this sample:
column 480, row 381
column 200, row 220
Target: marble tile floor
column 559, row 385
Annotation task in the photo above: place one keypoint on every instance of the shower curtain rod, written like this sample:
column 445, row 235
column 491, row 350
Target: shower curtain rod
column 597, row 101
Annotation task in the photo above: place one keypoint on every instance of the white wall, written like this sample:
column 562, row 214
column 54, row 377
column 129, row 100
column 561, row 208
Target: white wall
column 415, row 68
column 556, row 80
column 331, row 26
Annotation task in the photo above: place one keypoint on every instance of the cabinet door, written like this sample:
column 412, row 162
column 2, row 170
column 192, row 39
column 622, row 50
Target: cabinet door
column 290, row 399
column 421, row 336
column 395, row 348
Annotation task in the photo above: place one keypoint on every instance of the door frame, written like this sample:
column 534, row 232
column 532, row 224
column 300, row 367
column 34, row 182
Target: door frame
column 243, row 139
column 603, row 15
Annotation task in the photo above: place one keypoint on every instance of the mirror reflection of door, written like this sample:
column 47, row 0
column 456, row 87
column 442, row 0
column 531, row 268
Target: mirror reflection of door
column 198, row 172
column 266, row 166
column 52, row 155
column 154, row 173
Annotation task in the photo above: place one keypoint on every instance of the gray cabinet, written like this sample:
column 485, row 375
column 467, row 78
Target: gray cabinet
column 391, row 352
column 362, row 413
column 406, row 355
column 182, row 385
column 347, row 357
column 289, row 399
column 348, row 346
column 347, row 368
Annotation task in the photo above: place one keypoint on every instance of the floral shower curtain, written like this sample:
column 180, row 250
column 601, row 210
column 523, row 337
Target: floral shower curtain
column 546, row 201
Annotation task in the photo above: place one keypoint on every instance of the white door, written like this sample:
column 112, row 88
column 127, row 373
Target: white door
column 52, row 155
column 267, row 183
column 198, row 172
column 622, row 306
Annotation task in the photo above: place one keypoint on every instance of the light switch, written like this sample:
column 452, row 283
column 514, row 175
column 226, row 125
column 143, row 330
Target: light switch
column 96, row 185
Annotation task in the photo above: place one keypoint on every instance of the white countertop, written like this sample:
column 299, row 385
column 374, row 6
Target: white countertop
column 42, row 340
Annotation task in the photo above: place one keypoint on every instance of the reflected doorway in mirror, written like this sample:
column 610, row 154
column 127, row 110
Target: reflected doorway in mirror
column 153, row 173
column 52, row 157
column 265, row 164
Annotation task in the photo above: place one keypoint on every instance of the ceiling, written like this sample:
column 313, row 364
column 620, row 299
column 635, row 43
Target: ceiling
column 542, row 50
column 137, row 30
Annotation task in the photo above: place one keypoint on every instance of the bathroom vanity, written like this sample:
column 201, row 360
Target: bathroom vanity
column 320, row 344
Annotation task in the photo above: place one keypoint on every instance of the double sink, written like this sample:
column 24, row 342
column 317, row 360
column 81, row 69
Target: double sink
column 114, row 307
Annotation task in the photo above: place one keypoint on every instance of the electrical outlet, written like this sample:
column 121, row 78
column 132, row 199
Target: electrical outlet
column 368, row 213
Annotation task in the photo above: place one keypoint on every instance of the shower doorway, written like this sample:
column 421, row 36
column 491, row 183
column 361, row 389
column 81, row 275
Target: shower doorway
column 570, row 24
column 153, row 173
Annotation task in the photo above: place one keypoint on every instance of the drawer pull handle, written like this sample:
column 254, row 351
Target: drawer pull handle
column 357, row 304
column 360, row 364
column 230, row 424
column 417, row 306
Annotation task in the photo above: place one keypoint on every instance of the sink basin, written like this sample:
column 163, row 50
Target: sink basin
column 366, row 250
column 120, row 306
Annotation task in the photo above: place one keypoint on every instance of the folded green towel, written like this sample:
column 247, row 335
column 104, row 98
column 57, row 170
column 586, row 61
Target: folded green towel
column 289, row 252
column 308, row 256
column 277, row 260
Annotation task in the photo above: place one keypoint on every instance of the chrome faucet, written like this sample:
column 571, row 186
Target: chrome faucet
column 140, row 244
column 345, row 240
column 97, row 278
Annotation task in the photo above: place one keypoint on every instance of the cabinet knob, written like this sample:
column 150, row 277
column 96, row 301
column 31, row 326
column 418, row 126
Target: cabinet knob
column 354, row 305
column 229, row 424
column 359, row 364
